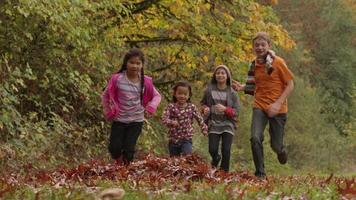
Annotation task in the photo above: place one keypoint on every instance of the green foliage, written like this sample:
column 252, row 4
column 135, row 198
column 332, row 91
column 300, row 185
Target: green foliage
column 51, row 51
column 337, row 58
column 55, row 58
column 44, row 147
column 328, row 37
column 307, row 129
column 185, row 39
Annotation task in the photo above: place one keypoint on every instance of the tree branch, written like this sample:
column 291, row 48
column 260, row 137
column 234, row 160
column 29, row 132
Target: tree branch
column 141, row 6
column 170, row 64
column 157, row 39
column 132, row 9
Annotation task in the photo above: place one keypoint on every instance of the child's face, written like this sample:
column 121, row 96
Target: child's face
column 221, row 76
column 134, row 66
column 182, row 94
column 260, row 47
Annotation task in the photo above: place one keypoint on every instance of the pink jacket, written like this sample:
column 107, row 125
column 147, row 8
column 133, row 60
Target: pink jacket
column 110, row 97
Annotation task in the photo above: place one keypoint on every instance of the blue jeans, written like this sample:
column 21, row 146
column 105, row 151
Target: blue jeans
column 276, row 132
column 182, row 147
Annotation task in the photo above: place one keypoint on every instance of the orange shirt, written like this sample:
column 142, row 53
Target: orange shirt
column 270, row 87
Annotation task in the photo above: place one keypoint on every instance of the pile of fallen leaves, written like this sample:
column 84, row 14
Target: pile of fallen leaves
column 155, row 173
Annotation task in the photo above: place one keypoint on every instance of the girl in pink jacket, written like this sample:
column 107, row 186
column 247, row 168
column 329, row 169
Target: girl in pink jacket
column 128, row 97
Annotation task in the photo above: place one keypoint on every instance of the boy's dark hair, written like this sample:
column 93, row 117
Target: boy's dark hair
column 181, row 84
column 135, row 52
column 262, row 35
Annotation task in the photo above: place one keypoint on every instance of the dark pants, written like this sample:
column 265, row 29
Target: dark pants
column 214, row 141
column 182, row 147
column 123, row 140
column 276, row 132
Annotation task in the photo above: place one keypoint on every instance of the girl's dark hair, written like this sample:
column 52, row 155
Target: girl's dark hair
column 181, row 84
column 135, row 52
column 130, row 54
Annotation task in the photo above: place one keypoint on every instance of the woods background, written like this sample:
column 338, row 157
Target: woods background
column 56, row 56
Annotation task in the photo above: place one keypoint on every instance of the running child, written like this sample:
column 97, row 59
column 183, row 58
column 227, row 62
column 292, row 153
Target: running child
column 178, row 117
column 129, row 97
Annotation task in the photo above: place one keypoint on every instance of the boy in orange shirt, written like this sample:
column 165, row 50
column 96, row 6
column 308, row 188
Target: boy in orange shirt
column 270, row 81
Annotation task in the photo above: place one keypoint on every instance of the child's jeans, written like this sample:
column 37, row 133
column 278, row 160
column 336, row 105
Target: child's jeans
column 276, row 132
column 183, row 147
column 123, row 139
column 214, row 141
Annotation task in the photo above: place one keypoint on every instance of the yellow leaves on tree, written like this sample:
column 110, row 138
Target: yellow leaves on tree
column 280, row 36
column 199, row 35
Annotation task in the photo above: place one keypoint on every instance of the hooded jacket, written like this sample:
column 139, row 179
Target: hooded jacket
column 232, row 100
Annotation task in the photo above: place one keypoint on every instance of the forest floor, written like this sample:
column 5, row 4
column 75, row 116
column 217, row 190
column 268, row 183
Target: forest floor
column 153, row 177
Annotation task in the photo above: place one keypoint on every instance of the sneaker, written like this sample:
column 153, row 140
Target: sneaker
column 118, row 162
column 260, row 176
column 282, row 157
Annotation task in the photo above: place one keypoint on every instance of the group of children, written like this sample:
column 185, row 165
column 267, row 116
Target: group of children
column 217, row 119
column 130, row 96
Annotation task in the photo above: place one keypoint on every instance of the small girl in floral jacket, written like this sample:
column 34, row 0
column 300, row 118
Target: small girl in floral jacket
column 178, row 117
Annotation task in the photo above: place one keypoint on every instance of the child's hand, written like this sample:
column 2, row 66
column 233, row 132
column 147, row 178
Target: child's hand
column 273, row 109
column 237, row 86
column 205, row 132
column 148, row 114
column 174, row 123
column 220, row 108
column 206, row 110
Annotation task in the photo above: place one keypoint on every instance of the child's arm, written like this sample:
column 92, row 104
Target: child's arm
column 151, row 107
column 231, row 112
column 237, row 86
column 167, row 115
column 109, row 112
column 235, row 106
column 204, row 107
column 276, row 106
column 250, row 85
column 200, row 120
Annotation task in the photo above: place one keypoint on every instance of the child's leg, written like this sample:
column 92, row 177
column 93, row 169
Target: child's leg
column 174, row 149
column 116, row 138
column 225, row 151
column 259, row 122
column 133, row 131
column 186, row 147
column 276, row 131
column 214, row 140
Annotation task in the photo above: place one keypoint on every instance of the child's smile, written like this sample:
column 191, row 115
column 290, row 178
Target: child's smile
column 261, row 47
column 182, row 95
column 221, row 76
